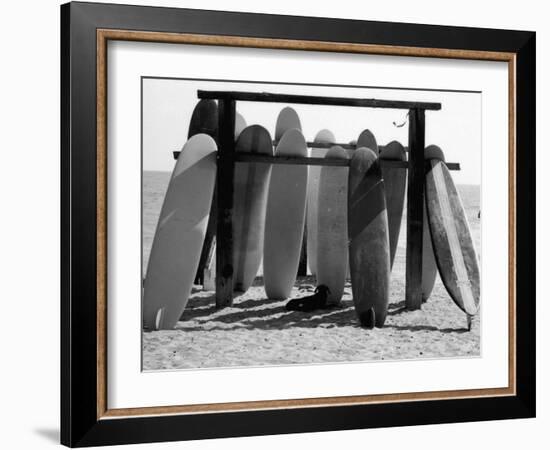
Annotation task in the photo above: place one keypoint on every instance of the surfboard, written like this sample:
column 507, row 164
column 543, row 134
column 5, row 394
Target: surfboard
column 366, row 139
column 332, row 239
column 452, row 239
column 240, row 124
column 286, row 120
column 324, row 136
column 369, row 245
column 285, row 218
column 204, row 119
column 180, row 234
column 429, row 265
column 207, row 264
column 395, row 181
column 249, row 206
column 209, row 276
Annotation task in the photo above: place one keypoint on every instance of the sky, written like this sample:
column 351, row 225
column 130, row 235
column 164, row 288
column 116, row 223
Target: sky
column 456, row 128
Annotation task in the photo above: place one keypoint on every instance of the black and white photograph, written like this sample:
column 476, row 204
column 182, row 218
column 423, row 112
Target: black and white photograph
column 288, row 224
column 277, row 223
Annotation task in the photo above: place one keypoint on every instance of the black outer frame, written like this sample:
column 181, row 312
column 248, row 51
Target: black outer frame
column 79, row 423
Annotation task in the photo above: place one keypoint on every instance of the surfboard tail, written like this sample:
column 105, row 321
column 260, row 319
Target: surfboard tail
column 368, row 318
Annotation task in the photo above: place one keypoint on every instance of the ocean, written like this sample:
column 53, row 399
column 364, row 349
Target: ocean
column 156, row 183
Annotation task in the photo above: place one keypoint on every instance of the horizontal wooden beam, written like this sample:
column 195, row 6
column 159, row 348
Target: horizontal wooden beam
column 304, row 161
column 326, row 145
column 315, row 100
column 334, row 144
column 294, row 160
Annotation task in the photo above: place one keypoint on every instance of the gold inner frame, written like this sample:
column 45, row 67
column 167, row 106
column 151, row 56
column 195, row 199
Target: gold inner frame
column 104, row 35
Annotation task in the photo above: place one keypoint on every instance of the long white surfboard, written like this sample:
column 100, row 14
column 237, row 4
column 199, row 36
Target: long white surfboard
column 285, row 218
column 323, row 136
column 180, row 234
column 286, row 120
column 332, row 239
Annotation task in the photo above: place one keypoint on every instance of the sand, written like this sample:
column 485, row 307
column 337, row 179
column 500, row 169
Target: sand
column 257, row 331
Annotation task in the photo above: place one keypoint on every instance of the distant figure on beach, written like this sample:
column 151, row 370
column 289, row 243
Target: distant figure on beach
column 479, row 214
column 311, row 303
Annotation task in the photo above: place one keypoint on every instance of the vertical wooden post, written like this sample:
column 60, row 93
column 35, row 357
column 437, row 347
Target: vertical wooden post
column 415, row 208
column 225, row 185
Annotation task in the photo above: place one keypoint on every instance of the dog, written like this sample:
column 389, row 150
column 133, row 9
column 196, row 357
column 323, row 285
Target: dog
column 311, row 303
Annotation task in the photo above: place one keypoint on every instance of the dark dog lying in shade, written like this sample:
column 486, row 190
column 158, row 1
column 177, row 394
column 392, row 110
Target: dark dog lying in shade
column 311, row 303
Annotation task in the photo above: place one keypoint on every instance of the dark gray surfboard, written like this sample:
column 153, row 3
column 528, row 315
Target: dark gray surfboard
column 369, row 246
column 451, row 238
column 204, row 119
column 366, row 139
column 249, row 206
column 395, row 181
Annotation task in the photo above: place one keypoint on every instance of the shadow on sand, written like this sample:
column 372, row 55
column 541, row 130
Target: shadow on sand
column 270, row 314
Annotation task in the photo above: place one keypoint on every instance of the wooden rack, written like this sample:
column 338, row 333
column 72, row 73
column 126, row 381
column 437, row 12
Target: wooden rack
column 311, row 161
column 227, row 157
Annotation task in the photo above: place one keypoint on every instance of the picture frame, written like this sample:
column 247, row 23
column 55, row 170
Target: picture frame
column 86, row 419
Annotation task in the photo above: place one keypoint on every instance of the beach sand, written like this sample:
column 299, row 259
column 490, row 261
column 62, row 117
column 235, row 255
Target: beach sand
column 257, row 331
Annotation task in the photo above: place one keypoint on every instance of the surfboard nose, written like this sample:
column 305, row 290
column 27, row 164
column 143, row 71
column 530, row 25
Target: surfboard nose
column 366, row 139
column 433, row 152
